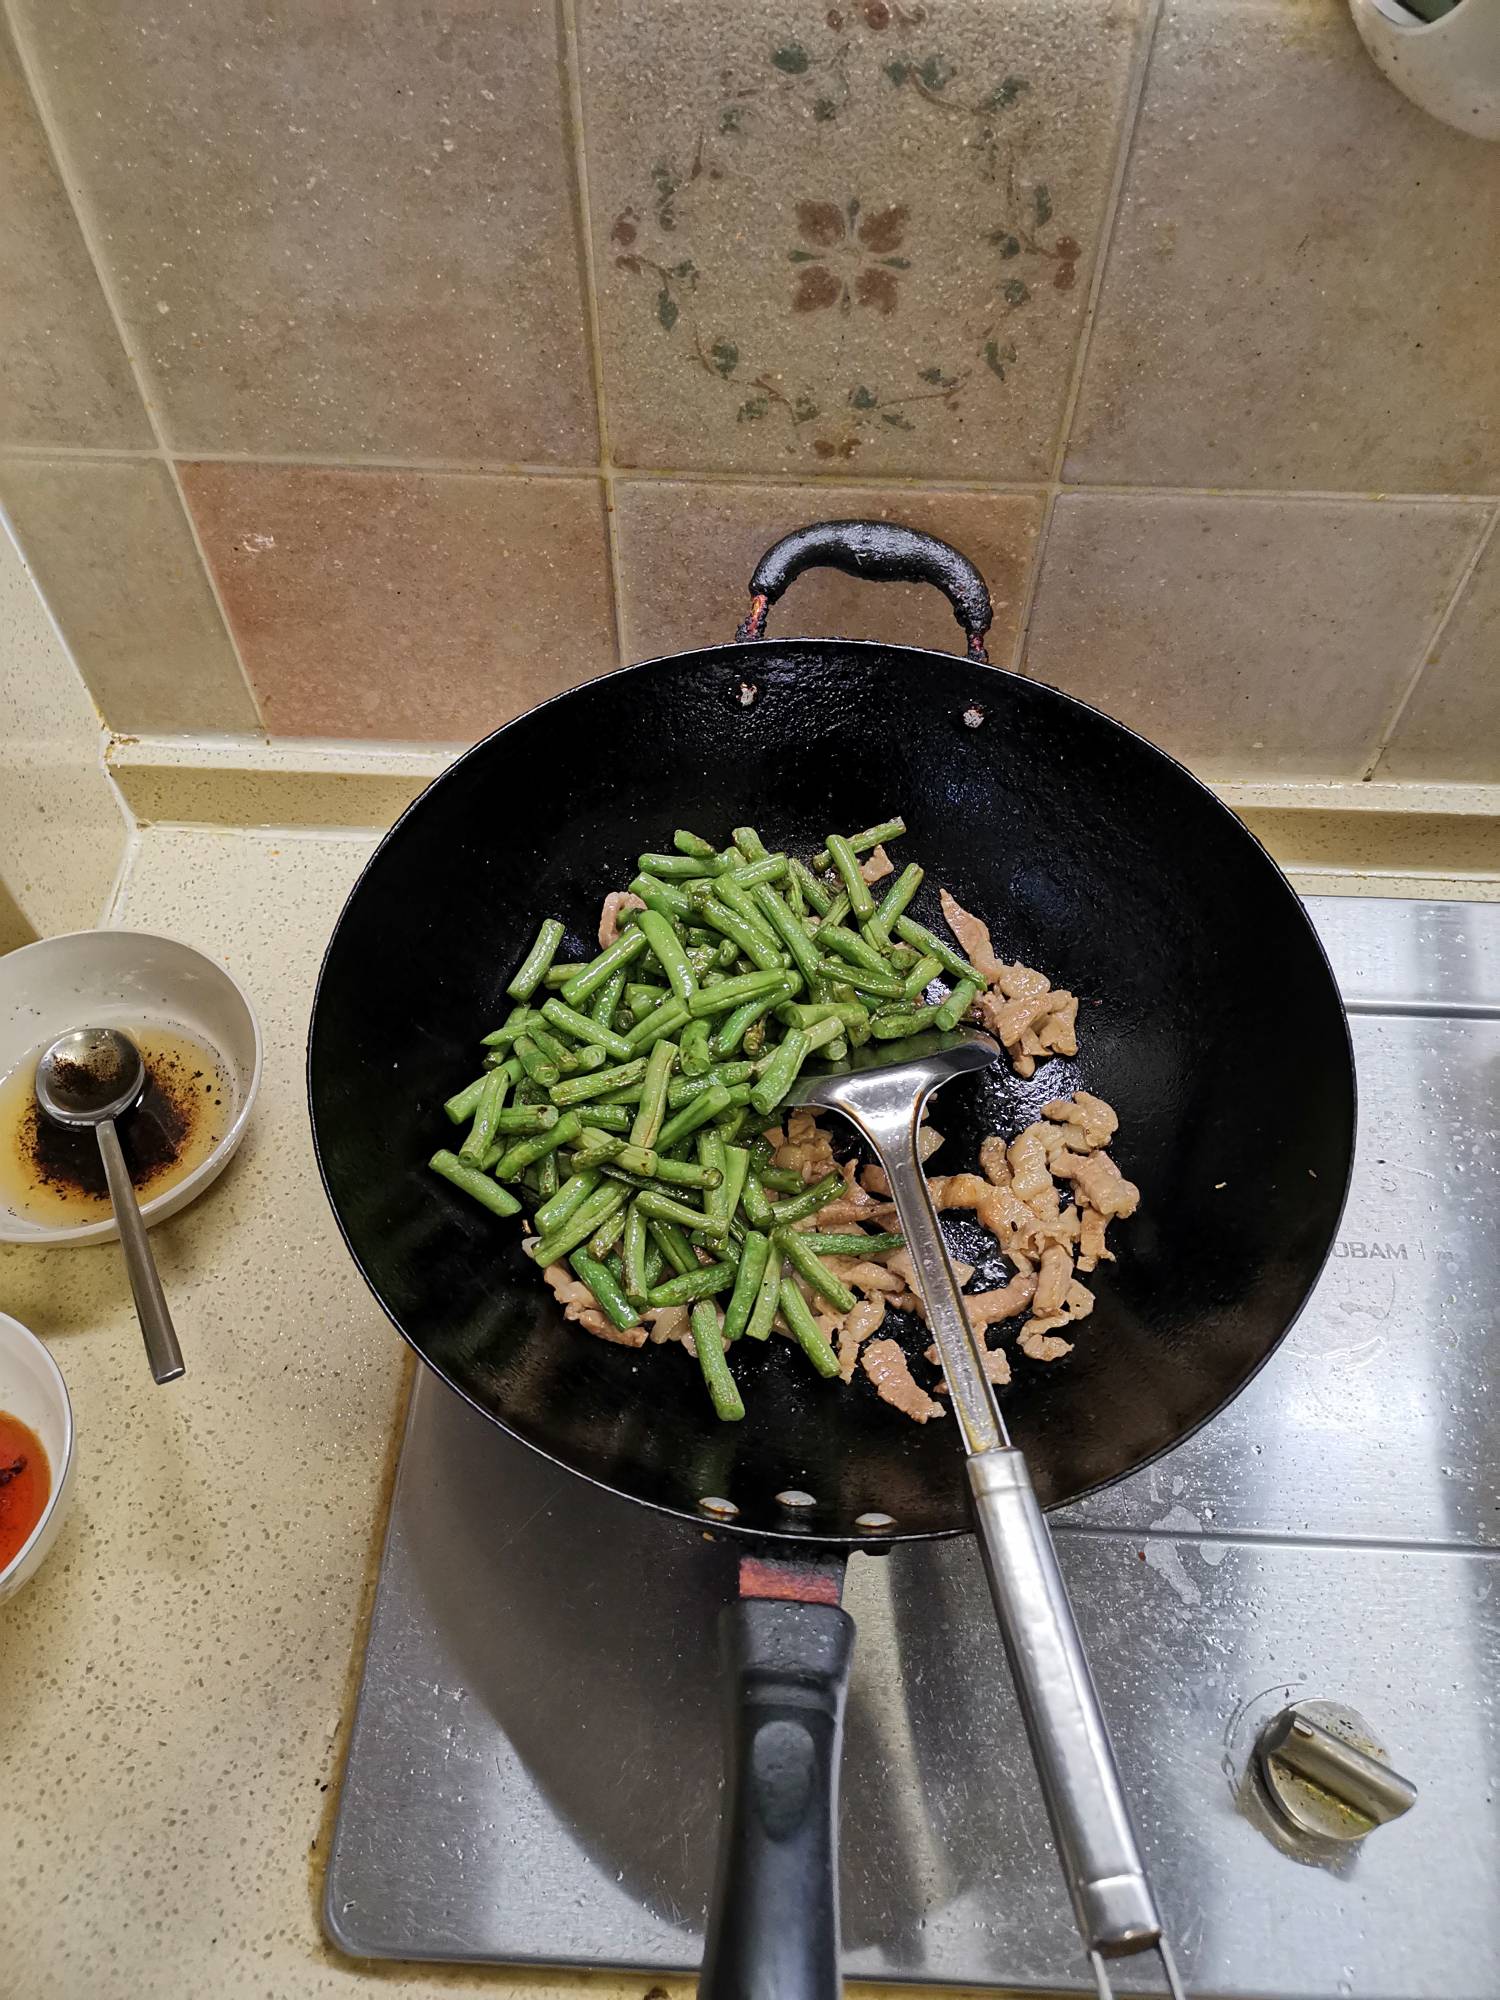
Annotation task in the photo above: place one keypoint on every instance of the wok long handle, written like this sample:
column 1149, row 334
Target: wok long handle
column 773, row 1929
column 1106, row 1876
column 882, row 551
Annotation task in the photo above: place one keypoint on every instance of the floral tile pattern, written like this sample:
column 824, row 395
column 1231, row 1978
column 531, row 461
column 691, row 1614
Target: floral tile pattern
column 1208, row 624
column 707, row 538
column 847, row 237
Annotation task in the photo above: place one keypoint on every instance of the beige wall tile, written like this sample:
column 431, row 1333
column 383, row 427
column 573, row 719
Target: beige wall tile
column 856, row 235
column 65, row 379
column 1450, row 728
column 1303, row 287
column 406, row 604
column 335, row 228
column 687, row 550
column 1252, row 638
column 62, row 829
column 114, row 554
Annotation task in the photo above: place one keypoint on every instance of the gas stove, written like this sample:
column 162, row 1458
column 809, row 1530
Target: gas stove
column 534, row 1772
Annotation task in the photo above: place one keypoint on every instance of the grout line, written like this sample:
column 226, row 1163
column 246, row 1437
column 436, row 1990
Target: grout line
column 1135, row 90
column 1426, row 651
column 130, row 454
column 128, row 855
column 134, row 360
column 328, row 461
column 572, row 68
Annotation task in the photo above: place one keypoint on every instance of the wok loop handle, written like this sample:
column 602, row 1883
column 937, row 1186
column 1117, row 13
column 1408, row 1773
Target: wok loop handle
column 884, row 552
column 773, row 1928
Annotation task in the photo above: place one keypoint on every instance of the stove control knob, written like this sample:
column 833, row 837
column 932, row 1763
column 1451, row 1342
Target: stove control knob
column 1327, row 1774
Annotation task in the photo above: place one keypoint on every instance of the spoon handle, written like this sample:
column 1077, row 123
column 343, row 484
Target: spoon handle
column 162, row 1350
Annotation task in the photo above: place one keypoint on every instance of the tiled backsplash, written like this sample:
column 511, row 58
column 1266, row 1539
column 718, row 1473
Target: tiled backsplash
column 375, row 370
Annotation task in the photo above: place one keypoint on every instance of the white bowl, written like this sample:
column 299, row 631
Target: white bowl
column 32, row 1389
column 1450, row 66
column 124, row 979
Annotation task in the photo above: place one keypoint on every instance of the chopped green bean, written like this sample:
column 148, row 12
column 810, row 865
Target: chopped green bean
column 767, row 868
column 499, row 1200
column 667, row 949
column 666, row 1209
column 663, row 897
column 526, row 1151
column 607, row 1235
column 664, row 1020
column 749, row 843
column 610, row 1117
column 547, row 1178
column 958, row 1003
column 735, row 1027
column 798, row 1315
column 781, row 1070
column 884, row 985
column 654, row 1089
column 817, row 1196
column 606, row 1199
column 903, row 1021
column 864, row 843
column 559, row 974
column 701, row 1110
column 856, row 888
column 677, row 867
column 767, row 1296
column 928, row 941
column 637, row 1238
column 535, row 1064
column 576, row 1089
column 697, row 1055
column 625, row 950
column 702, row 1282
column 482, row 1131
column 810, row 886
column 755, row 943
column 895, row 900
column 606, row 1002
column 568, row 1199
column 785, row 1180
column 563, row 1058
column 921, row 976
column 758, row 1211
column 810, row 1266
column 536, row 961
column 746, row 1284
column 464, row 1103
column 585, row 1030
column 526, row 1118
column 709, row 1343
column 837, row 1244
column 692, row 843
column 734, row 896
column 514, row 1024
column 673, row 1245
column 729, row 993
column 606, row 1289
column 736, row 1166
column 688, row 1087
column 788, row 930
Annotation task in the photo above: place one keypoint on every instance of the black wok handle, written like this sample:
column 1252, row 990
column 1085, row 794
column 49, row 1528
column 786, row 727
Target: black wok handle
column 881, row 551
column 773, row 1927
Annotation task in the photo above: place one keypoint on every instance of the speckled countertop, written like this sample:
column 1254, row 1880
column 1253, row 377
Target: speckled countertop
column 175, row 1683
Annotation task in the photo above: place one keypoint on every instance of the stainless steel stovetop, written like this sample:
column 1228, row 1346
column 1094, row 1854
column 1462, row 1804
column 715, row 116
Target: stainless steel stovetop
column 534, row 1771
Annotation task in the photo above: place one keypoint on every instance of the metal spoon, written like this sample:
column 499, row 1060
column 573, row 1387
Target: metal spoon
column 883, row 1089
column 92, row 1077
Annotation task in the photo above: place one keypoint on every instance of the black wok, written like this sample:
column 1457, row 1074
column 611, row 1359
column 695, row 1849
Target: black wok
column 1209, row 1019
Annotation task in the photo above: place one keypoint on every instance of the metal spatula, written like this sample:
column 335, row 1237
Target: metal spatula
column 883, row 1089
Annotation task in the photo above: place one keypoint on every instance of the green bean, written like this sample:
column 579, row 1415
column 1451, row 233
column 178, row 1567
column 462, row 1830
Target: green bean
column 862, row 843
column 673, row 1245
column 664, row 1020
column 780, row 1072
column 499, row 1200
column 667, row 949
column 547, row 1179
column 810, row 886
column 699, row 1283
column 653, row 1257
column 814, row 1270
column 851, row 948
column 563, row 1058
column 663, row 897
column 514, row 1024
column 755, row 943
column 894, row 901
column 758, row 1211
column 838, row 909
column 610, row 1117
column 787, row 928
column 749, row 843
column 526, row 1118
column 588, row 979
column 735, row 1027
column 575, row 1089
column 606, row 1199
column 692, row 843
column 607, row 1235
column 606, row 1288
column 807, row 1014
column 697, row 1056
column 798, row 1315
column 525, row 1151
column 677, row 867
column 710, row 1348
column 921, row 976
column 559, row 974
column 464, row 1103
column 482, row 1131
column 729, row 993
column 755, row 1037
column 746, row 1284
column 535, row 1063
column 817, row 1196
column 641, row 998
column 767, row 1297
column 643, row 1163
column 796, row 902
column 766, row 868
column 856, row 888
column 536, row 961
column 734, row 896
column 736, row 1166
column 698, row 1111
column 568, row 1199
column 958, row 1003
column 688, row 1087
column 666, row 1209
column 653, row 1106
column 585, row 1030
column 837, row 1244
column 928, row 941
column 637, row 1238
column 605, row 1003
column 884, row 985
column 785, row 1180
column 900, row 1022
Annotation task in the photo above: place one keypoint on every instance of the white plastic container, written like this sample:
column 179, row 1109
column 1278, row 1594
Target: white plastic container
column 1451, row 66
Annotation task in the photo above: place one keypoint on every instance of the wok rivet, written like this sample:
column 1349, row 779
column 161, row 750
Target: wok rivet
column 973, row 717
column 722, row 1510
column 875, row 1524
column 793, row 1497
